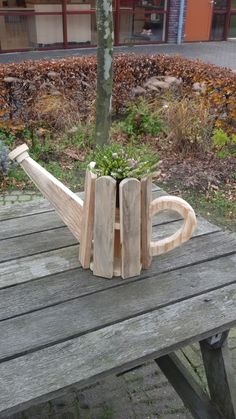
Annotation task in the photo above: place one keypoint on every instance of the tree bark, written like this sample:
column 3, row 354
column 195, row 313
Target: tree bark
column 104, row 71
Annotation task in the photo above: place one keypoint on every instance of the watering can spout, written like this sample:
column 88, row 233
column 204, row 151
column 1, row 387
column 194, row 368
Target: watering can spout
column 67, row 204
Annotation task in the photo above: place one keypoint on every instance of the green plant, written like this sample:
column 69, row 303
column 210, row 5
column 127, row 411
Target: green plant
column 81, row 136
column 191, row 125
column 223, row 143
column 5, row 162
column 142, row 119
column 122, row 162
column 6, row 137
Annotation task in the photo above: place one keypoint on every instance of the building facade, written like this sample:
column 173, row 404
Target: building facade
column 53, row 24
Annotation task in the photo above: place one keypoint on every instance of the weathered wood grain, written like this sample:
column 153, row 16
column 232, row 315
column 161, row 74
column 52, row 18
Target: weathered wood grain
column 30, row 218
column 37, row 206
column 35, row 243
column 30, row 267
column 220, row 377
column 130, row 227
column 32, row 224
column 40, row 265
column 67, row 204
column 136, row 296
column 87, row 222
column 146, row 222
column 194, row 398
column 113, row 348
column 104, row 224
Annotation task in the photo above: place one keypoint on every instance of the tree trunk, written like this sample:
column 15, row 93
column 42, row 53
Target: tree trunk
column 104, row 71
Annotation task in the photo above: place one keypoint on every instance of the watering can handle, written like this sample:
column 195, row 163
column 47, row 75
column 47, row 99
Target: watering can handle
column 180, row 236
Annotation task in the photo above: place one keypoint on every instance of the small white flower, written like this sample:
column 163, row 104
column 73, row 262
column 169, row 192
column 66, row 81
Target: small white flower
column 114, row 155
column 92, row 164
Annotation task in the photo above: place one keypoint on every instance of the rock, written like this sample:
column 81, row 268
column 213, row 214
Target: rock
column 137, row 91
column 199, row 87
column 151, row 87
column 52, row 74
column 11, row 80
column 173, row 80
column 73, row 130
column 154, row 82
column 55, row 93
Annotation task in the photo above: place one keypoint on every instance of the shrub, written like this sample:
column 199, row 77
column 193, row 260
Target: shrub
column 223, row 143
column 74, row 78
column 141, row 119
column 190, row 124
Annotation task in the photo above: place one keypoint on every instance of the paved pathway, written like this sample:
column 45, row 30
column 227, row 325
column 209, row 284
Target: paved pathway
column 18, row 197
column 219, row 53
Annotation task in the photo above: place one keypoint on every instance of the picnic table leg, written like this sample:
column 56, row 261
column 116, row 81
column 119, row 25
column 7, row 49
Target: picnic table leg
column 219, row 373
column 186, row 386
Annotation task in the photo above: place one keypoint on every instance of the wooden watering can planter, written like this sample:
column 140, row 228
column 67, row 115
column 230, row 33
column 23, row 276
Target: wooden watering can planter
column 114, row 222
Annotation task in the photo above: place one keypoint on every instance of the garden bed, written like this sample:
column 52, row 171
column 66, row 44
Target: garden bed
column 51, row 106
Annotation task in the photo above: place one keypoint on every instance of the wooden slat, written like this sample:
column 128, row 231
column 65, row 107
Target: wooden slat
column 130, row 227
column 53, row 261
column 28, row 225
column 114, row 348
column 38, row 266
column 35, row 243
column 104, row 223
column 111, row 304
column 146, row 222
column 76, row 283
column 87, row 222
column 194, row 398
column 31, row 218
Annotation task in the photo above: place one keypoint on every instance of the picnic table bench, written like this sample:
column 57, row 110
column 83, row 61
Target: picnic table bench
column 60, row 325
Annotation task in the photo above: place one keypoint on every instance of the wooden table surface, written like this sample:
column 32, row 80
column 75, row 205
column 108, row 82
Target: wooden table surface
column 60, row 325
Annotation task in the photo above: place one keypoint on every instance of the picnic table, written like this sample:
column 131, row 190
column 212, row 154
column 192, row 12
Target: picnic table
column 60, row 325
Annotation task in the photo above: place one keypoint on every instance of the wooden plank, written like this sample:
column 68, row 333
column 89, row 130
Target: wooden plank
column 67, row 204
column 104, row 224
column 38, row 266
column 111, row 305
column 27, row 225
column 114, row 348
column 220, row 377
column 146, row 222
column 136, row 296
column 53, row 261
column 35, row 243
column 192, row 395
column 9, row 212
column 37, row 206
column 87, row 222
column 130, row 227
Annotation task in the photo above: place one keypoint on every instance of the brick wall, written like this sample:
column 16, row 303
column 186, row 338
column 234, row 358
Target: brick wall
column 172, row 32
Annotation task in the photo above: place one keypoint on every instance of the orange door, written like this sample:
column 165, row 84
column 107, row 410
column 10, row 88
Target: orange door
column 198, row 20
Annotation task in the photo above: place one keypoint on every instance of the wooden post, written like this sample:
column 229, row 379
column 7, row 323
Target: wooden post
column 220, row 376
column 192, row 395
